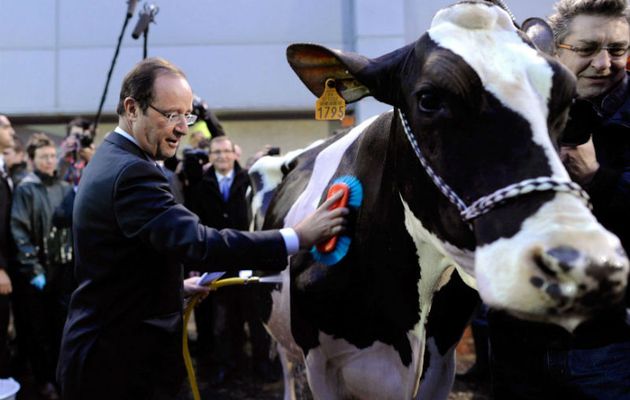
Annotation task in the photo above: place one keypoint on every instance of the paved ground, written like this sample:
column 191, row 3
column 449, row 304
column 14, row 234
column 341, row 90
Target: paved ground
column 250, row 388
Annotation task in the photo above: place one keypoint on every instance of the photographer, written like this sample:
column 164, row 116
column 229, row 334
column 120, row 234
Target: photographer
column 201, row 109
column 76, row 149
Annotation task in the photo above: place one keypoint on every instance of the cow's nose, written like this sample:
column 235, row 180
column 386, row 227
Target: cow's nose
column 568, row 274
column 561, row 259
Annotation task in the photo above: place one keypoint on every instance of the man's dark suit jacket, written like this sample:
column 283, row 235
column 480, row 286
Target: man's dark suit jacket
column 207, row 202
column 122, row 338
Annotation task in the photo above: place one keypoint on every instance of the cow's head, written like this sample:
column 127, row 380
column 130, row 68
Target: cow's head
column 486, row 108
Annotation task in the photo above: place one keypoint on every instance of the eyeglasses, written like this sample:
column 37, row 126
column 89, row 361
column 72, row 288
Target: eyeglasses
column 217, row 152
column 46, row 156
column 592, row 49
column 174, row 117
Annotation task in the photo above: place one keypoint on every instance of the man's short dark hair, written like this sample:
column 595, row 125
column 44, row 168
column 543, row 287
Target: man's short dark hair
column 37, row 141
column 566, row 10
column 223, row 138
column 138, row 83
column 83, row 123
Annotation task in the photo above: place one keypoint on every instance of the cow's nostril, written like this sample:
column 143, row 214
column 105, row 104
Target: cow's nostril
column 542, row 263
column 567, row 256
column 556, row 260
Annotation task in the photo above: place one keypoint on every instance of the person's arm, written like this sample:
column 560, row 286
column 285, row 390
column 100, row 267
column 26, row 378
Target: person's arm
column 580, row 161
column 145, row 208
column 5, row 283
column 22, row 229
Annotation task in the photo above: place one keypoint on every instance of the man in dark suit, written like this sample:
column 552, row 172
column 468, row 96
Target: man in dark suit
column 122, row 338
column 6, row 242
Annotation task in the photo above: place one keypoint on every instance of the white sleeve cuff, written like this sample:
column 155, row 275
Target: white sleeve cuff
column 291, row 240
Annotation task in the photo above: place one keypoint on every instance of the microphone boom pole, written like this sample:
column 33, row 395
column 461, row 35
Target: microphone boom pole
column 131, row 5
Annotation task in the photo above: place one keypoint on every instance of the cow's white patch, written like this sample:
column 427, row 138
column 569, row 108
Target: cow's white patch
column 269, row 168
column 374, row 372
column 439, row 376
column 508, row 68
column 326, row 164
column 438, row 266
column 562, row 222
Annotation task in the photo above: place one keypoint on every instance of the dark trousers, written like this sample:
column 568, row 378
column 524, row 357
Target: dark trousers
column 5, row 310
column 536, row 362
column 232, row 308
column 37, row 313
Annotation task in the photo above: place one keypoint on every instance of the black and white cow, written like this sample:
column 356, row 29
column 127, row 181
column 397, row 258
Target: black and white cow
column 462, row 189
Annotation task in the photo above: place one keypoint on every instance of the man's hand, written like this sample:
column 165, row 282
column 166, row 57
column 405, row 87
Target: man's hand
column 580, row 161
column 322, row 224
column 5, row 283
column 86, row 153
column 191, row 287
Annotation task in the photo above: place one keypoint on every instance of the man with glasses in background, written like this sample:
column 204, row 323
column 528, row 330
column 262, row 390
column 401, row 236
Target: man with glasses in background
column 220, row 200
column 539, row 361
column 123, row 335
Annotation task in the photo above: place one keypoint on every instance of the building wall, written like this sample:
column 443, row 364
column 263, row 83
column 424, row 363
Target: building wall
column 55, row 54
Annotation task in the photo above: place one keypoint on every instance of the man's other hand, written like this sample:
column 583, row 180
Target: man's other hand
column 322, row 224
column 192, row 287
column 5, row 283
column 580, row 161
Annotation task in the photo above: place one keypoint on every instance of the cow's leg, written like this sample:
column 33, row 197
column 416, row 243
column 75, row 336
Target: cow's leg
column 451, row 310
column 288, row 374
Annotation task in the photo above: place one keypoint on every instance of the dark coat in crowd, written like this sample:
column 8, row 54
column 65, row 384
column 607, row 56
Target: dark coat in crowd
column 206, row 201
column 7, row 249
column 34, row 202
column 123, row 337
column 610, row 187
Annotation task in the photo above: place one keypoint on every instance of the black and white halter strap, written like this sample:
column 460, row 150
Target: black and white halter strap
column 486, row 203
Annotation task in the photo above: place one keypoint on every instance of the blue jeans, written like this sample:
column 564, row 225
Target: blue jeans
column 532, row 361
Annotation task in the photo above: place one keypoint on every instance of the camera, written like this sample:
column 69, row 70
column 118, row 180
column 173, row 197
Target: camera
column 196, row 156
column 583, row 119
column 85, row 138
column 82, row 130
column 273, row 151
column 192, row 165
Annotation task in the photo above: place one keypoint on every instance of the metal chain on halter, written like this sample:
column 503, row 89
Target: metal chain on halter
column 505, row 8
column 486, row 203
column 540, row 184
column 444, row 188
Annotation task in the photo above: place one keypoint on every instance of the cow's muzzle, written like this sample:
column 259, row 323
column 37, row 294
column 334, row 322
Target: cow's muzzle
column 575, row 281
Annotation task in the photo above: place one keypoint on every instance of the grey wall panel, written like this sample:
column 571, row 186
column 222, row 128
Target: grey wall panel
column 27, row 81
column 27, row 24
column 54, row 54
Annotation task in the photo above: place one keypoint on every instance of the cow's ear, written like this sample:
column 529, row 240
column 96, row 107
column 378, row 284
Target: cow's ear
column 541, row 34
column 355, row 76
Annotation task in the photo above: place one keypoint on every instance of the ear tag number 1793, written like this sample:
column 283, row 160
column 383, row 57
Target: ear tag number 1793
column 330, row 106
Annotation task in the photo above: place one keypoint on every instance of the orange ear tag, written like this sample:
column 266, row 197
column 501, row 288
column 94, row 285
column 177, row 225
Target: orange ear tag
column 330, row 245
column 330, row 106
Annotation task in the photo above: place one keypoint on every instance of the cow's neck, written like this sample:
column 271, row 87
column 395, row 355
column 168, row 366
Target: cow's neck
column 425, row 201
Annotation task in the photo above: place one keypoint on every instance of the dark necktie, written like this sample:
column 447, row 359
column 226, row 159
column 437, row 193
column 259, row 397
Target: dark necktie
column 224, row 186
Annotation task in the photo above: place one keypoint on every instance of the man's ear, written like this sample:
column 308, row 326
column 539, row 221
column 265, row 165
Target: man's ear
column 131, row 108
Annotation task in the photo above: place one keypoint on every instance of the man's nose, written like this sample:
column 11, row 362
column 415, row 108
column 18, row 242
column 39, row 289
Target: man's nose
column 601, row 60
column 181, row 127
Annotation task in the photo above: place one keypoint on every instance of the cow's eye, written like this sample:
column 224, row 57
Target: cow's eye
column 430, row 102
